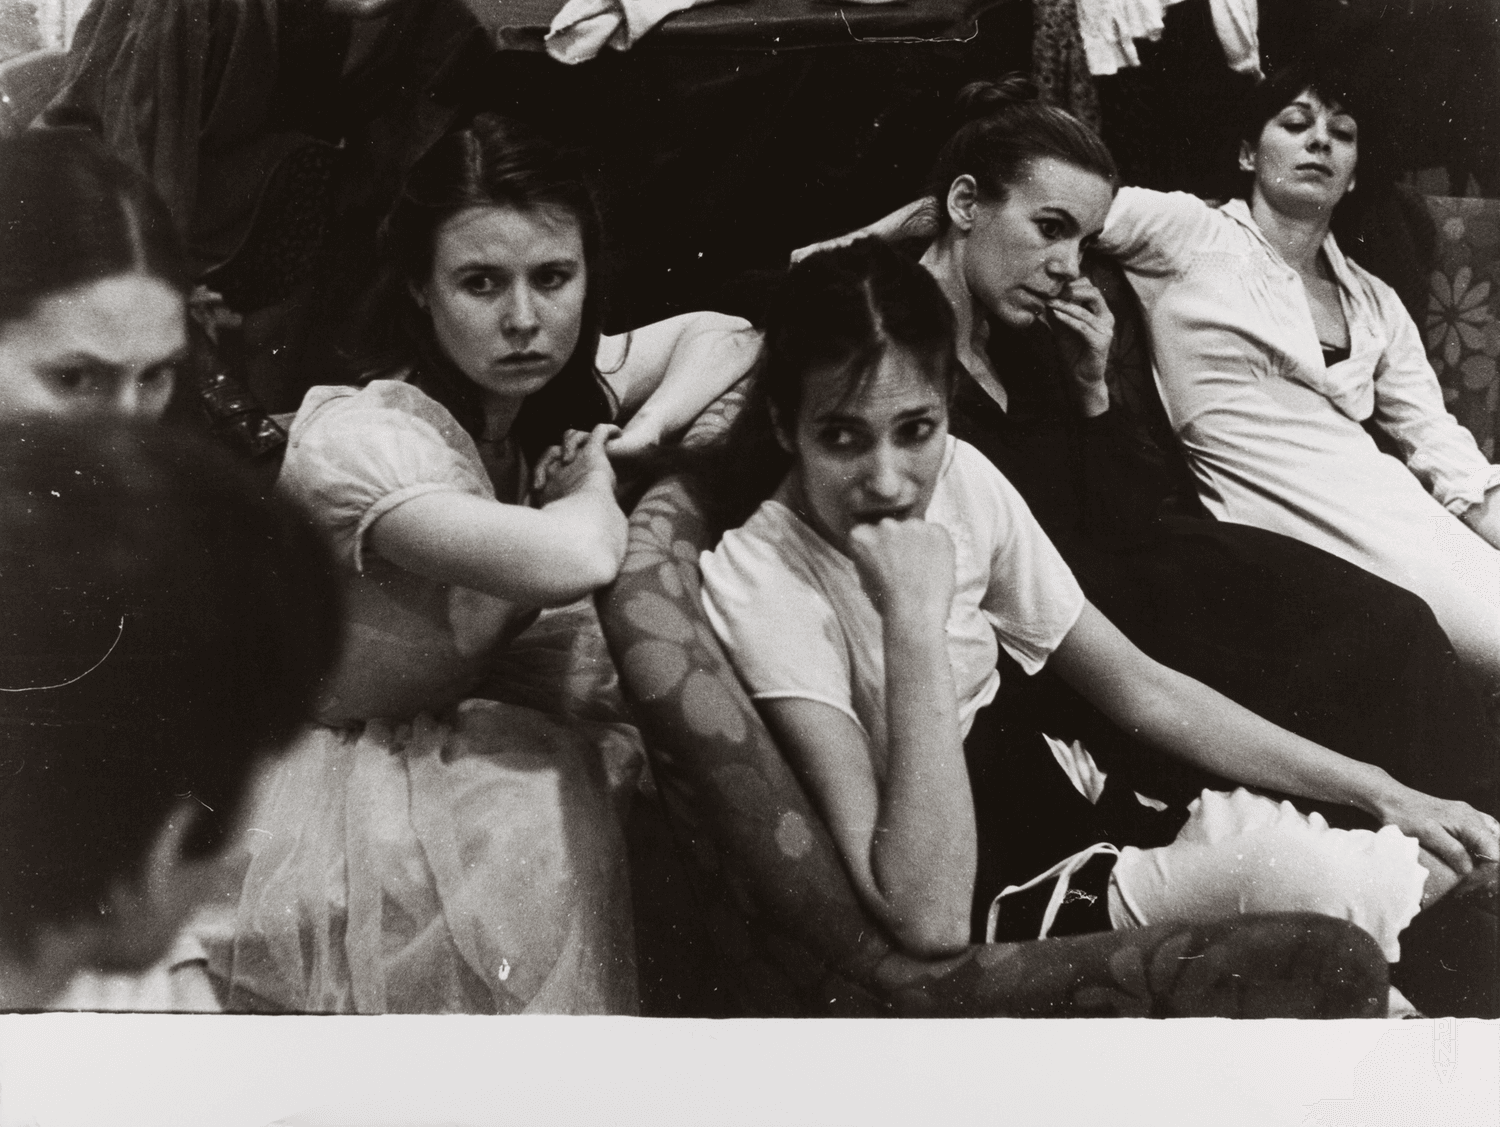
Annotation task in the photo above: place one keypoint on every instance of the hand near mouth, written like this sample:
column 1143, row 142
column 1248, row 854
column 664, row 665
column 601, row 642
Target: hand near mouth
column 907, row 567
column 1084, row 328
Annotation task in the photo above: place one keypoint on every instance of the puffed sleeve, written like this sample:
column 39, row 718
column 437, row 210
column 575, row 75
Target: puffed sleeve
column 1153, row 232
column 354, row 454
column 1032, row 599
column 782, row 635
column 1409, row 407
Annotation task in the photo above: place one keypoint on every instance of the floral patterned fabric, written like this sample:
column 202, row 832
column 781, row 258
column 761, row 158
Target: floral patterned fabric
column 782, row 915
column 1462, row 331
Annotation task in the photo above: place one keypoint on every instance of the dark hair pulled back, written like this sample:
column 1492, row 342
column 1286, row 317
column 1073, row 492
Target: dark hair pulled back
column 72, row 214
column 839, row 310
column 492, row 161
column 1004, row 127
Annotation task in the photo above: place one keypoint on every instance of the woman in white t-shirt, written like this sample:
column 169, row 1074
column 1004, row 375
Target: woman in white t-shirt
column 865, row 602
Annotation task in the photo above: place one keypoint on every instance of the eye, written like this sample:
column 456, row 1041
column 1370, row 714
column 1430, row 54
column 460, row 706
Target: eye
column 1345, row 133
column 1295, row 123
column 552, row 277
column 78, row 381
column 914, row 432
column 162, row 373
column 840, row 439
column 1051, row 229
column 479, row 283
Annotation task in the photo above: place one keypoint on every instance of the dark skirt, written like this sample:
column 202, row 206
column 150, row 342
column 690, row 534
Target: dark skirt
column 1030, row 816
column 1304, row 639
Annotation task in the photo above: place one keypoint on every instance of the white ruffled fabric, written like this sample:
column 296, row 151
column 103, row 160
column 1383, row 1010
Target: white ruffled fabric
column 1242, row 853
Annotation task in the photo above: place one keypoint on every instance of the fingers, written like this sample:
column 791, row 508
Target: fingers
column 1079, row 318
column 574, row 441
column 1480, row 834
column 1085, row 315
column 827, row 244
column 545, row 467
column 1083, row 292
column 1442, row 844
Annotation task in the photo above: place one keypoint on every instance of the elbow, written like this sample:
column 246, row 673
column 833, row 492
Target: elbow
column 602, row 558
column 599, row 570
column 593, row 561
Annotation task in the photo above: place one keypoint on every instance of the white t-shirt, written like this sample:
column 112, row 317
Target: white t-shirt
column 796, row 621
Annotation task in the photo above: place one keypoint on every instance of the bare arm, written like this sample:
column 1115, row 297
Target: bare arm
column 907, row 838
column 673, row 369
column 549, row 556
column 1186, row 718
column 916, row 220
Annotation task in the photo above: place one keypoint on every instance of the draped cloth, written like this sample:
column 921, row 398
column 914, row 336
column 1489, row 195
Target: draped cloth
column 1059, row 66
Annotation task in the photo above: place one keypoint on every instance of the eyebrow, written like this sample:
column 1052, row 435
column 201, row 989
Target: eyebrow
column 1334, row 110
column 89, row 359
column 498, row 268
column 901, row 417
column 1058, row 211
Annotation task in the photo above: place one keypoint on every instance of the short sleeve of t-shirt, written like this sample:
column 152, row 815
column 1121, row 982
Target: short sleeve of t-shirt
column 354, row 454
column 1032, row 598
column 781, row 633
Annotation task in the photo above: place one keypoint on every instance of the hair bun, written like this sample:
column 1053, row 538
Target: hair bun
column 984, row 99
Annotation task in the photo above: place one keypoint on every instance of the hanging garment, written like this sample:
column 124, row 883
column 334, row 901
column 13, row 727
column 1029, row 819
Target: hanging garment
column 1110, row 29
column 1059, row 66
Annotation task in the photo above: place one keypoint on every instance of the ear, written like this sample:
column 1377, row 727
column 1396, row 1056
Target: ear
column 1352, row 181
column 783, row 436
column 963, row 196
column 1247, row 157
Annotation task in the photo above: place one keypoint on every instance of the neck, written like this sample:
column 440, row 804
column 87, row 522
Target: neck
column 944, row 260
column 1298, row 240
column 499, row 413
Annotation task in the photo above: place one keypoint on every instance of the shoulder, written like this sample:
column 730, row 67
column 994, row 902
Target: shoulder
column 377, row 404
column 972, row 481
column 367, row 442
column 770, row 553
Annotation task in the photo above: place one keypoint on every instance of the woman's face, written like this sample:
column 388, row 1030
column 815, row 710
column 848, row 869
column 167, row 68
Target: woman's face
column 1305, row 157
column 1021, row 252
column 107, row 346
column 506, row 295
column 860, row 458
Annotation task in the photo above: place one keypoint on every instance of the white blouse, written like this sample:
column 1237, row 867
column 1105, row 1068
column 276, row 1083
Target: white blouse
column 1274, row 434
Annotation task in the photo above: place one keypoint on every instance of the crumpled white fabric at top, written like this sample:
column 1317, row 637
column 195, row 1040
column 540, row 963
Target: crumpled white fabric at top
column 1110, row 28
column 583, row 27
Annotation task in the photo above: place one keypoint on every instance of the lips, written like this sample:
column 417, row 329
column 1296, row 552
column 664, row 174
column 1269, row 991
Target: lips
column 522, row 360
column 875, row 516
column 1313, row 166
